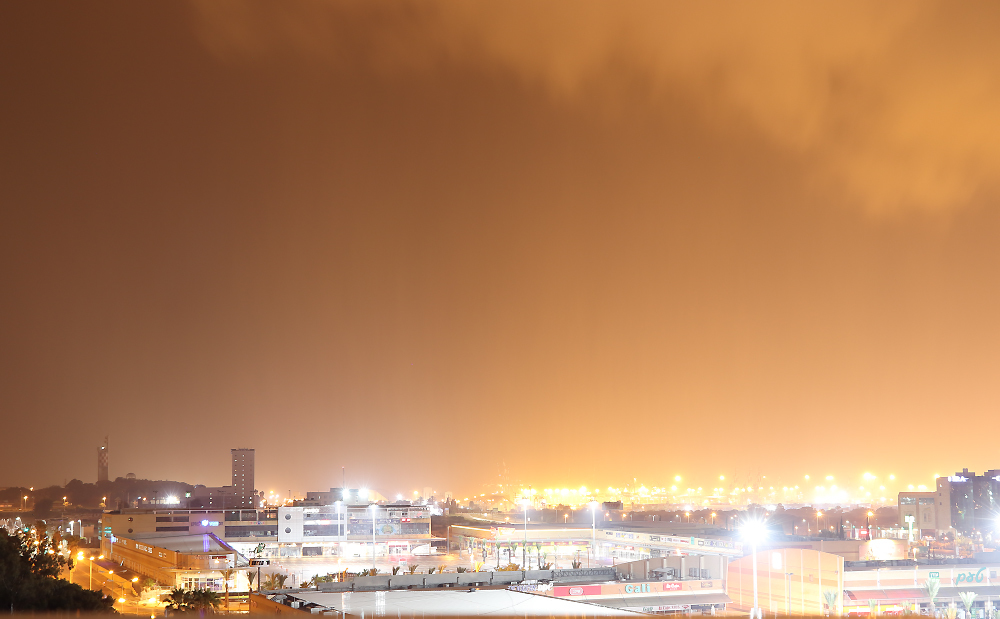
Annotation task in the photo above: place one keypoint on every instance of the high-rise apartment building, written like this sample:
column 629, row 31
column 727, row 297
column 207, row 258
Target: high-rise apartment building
column 243, row 483
column 102, row 461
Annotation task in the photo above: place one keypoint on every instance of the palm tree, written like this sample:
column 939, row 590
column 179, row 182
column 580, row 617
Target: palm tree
column 274, row 582
column 227, row 575
column 251, row 575
column 204, row 599
column 931, row 588
column 178, row 600
column 968, row 598
column 832, row 597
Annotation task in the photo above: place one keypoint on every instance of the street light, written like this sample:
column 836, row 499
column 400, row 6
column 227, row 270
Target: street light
column 524, row 547
column 593, row 530
column 374, row 507
column 818, row 514
column 754, row 531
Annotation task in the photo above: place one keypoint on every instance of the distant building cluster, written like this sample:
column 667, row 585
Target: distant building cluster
column 963, row 502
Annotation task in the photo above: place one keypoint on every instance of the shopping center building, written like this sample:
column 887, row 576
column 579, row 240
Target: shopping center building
column 188, row 561
column 540, row 544
column 329, row 530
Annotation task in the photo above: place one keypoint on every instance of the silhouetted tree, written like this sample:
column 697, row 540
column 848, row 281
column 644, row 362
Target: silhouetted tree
column 43, row 507
column 29, row 579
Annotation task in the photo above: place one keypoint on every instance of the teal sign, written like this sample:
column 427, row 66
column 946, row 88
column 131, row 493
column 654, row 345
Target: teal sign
column 969, row 577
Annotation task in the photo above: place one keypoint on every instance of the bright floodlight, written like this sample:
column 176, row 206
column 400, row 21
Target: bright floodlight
column 754, row 530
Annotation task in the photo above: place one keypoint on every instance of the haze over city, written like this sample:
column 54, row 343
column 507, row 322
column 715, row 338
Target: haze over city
column 587, row 244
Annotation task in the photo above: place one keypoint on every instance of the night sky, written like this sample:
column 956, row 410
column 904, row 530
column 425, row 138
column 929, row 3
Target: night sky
column 592, row 241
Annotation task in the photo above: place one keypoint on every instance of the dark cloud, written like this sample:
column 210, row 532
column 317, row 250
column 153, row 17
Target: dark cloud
column 892, row 105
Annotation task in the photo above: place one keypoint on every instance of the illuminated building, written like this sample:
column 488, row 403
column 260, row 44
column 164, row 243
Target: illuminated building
column 292, row 531
column 243, row 483
column 963, row 502
column 352, row 496
column 187, row 561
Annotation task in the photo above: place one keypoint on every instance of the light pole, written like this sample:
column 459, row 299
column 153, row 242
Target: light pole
column 91, row 585
column 340, row 522
column 524, row 546
column 818, row 514
column 788, row 593
column 135, row 579
column 593, row 531
column 754, row 530
column 374, row 514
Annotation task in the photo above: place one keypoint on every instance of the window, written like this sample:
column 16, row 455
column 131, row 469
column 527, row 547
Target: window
column 164, row 529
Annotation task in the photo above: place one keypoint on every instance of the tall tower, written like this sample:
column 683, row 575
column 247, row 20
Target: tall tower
column 243, row 486
column 102, row 461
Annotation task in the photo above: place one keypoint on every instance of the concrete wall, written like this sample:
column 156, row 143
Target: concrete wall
column 789, row 581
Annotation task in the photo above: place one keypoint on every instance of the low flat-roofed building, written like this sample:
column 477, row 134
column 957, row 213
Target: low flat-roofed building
column 566, row 543
column 901, row 588
column 188, row 561
column 294, row 531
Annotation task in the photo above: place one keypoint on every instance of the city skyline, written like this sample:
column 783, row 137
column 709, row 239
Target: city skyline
column 739, row 489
